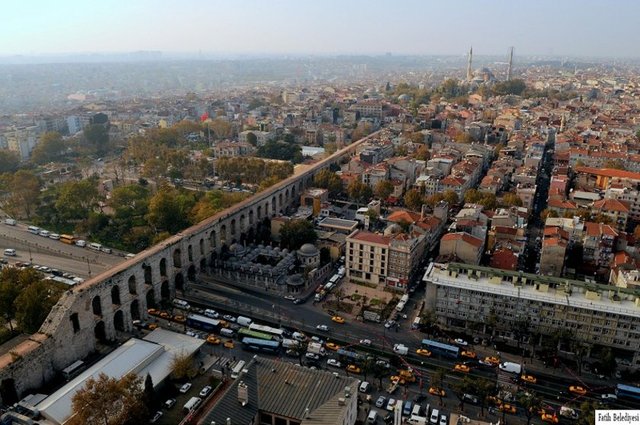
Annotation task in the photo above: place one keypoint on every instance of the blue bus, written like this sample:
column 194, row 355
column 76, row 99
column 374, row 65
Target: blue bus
column 350, row 355
column 440, row 348
column 203, row 322
column 261, row 345
column 628, row 391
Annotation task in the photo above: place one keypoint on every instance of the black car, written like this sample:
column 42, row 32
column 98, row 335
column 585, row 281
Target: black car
column 388, row 419
column 419, row 398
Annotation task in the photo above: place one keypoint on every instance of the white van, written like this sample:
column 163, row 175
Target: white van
column 95, row 246
column 33, row 229
column 435, row 416
column 81, row 243
column 192, row 404
column 44, row 233
column 181, row 303
column 364, row 387
column 416, row 410
column 417, row 420
column 10, row 222
column 373, row 417
column 211, row 313
column 227, row 332
column 10, row 252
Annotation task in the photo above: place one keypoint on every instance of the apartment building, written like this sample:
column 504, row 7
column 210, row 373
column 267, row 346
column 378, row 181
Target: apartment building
column 367, row 257
column 471, row 298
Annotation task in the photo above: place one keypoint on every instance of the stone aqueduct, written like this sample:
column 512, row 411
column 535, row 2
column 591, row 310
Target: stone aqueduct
column 108, row 303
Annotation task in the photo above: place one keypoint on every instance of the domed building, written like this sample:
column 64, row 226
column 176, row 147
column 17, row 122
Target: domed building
column 309, row 255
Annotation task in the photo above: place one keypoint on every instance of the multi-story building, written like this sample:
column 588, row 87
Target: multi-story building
column 367, row 257
column 228, row 148
column 484, row 300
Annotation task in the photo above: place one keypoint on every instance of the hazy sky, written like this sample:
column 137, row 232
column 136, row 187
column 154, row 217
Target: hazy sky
column 545, row 27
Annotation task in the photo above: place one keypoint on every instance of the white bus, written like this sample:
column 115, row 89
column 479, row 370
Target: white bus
column 276, row 332
column 235, row 372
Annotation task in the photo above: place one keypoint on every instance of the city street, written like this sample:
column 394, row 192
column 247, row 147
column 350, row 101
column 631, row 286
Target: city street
column 36, row 249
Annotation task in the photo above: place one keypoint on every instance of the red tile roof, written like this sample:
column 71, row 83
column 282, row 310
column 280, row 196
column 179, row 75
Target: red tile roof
column 363, row 236
column 465, row 237
column 504, row 259
column 611, row 205
column 609, row 172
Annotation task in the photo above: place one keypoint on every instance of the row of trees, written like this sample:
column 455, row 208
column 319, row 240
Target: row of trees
column 286, row 150
column 253, row 170
column 490, row 201
column 26, row 298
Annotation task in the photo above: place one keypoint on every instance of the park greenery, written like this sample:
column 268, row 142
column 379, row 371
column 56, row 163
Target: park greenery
column 25, row 300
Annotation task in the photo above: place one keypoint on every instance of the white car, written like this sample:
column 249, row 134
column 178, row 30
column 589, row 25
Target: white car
column 186, row 387
column 156, row 417
column 205, row 391
column 312, row 356
column 380, row 401
column 289, row 297
column 334, row 363
column 391, row 404
column 609, row 397
column 443, row 420
column 366, row 342
column 461, row 341
column 323, row 328
column 229, row 318
column 389, row 323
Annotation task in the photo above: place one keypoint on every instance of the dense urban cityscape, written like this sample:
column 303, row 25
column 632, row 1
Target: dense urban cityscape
column 330, row 239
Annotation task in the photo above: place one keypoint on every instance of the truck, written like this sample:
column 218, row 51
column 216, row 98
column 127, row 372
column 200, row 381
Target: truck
column 511, row 367
column 371, row 316
column 402, row 303
column 400, row 349
column 289, row 343
column 243, row 321
column 316, row 348
column 393, row 386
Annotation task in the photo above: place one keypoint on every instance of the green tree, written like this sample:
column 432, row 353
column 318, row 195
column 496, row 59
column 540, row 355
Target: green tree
column 437, row 379
column 329, row 180
column 546, row 213
column 432, row 200
column 295, row 233
column 24, row 192
column 221, row 128
column 451, row 197
column 413, row 199
column 588, row 413
column 182, row 367
column 77, row 198
column 359, row 192
column 281, row 150
column 530, row 403
column 383, row 189
column 252, row 138
column 129, row 201
column 51, row 147
column 109, row 401
column 97, row 137
column 169, row 210
column 511, row 199
column 484, row 388
column 9, row 161
column 34, row 304
column 149, row 391
column 460, row 388
column 422, row 153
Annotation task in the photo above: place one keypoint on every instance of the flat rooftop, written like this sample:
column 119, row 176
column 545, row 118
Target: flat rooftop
column 496, row 284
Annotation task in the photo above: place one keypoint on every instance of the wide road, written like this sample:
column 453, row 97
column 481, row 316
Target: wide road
column 82, row 262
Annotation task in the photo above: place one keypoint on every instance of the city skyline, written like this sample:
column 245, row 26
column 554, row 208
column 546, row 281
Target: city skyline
column 568, row 28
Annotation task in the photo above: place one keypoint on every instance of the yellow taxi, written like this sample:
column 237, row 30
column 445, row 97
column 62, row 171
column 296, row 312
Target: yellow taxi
column 165, row 315
column 212, row 339
column 494, row 361
column 153, row 311
column 228, row 344
column 468, row 354
column 332, row 346
column 529, row 378
column 397, row 380
column 439, row 392
column 179, row 319
column 153, row 326
column 576, row 389
column 337, row 319
column 353, row 368
column 549, row 417
column 509, row 408
column 423, row 352
column 224, row 323
column 459, row 367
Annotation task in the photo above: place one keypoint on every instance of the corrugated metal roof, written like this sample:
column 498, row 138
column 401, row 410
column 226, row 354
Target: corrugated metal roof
column 284, row 389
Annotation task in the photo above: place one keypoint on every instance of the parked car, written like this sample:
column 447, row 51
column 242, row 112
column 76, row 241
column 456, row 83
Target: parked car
column 334, row 363
column 156, row 417
column 323, row 328
column 380, row 401
column 185, row 388
column 366, row 342
column 170, row 403
column 205, row 391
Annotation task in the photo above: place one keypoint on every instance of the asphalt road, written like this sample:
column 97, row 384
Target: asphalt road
column 36, row 249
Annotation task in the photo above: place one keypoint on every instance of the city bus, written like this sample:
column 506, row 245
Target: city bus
column 350, row 355
column 68, row 239
column 254, row 334
column 628, row 391
column 203, row 322
column 261, row 345
column 276, row 332
column 440, row 348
